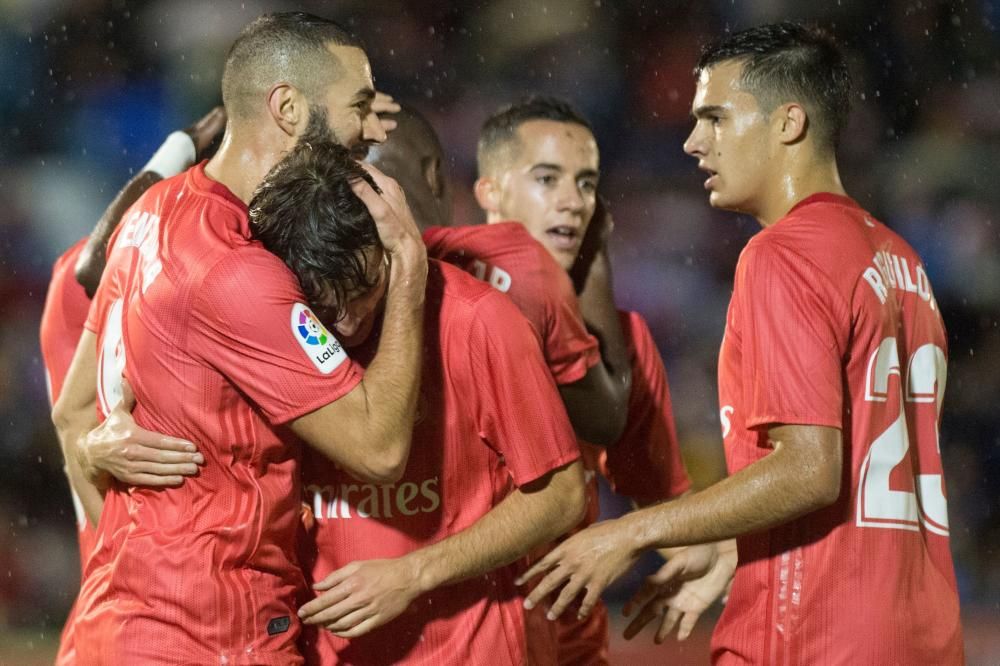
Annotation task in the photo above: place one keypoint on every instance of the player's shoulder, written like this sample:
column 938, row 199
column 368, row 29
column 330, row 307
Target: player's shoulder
column 821, row 222
column 466, row 298
column 246, row 267
column 455, row 284
column 634, row 325
column 638, row 336
column 65, row 263
column 484, row 239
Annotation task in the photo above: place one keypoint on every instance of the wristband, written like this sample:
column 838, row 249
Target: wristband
column 175, row 155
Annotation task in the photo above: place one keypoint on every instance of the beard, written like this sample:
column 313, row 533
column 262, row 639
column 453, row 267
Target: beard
column 318, row 128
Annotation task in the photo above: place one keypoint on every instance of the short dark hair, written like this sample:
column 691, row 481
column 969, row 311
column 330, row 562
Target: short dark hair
column 414, row 158
column 289, row 46
column 499, row 132
column 784, row 62
column 306, row 213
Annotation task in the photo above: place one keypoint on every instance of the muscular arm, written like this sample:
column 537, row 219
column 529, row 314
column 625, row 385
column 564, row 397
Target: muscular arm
column 90, row 265
column 364, row 595
column 532, row 515
column 803, row 474
column 74, row 414
column 368, row 430
column 598, row 403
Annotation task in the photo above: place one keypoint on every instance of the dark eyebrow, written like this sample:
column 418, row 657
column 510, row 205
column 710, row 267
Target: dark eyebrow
column 584, row 173
column 703, row 111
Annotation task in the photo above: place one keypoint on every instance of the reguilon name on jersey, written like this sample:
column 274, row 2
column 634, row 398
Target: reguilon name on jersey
column 324, row 350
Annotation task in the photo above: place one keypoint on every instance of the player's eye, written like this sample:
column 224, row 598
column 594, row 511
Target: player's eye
column 546, row 179
column 588, row 186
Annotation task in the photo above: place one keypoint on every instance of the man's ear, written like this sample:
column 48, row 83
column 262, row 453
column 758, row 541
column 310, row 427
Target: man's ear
column 791, row 122
column 287, row 108
column 434, row 175
column 487, row 192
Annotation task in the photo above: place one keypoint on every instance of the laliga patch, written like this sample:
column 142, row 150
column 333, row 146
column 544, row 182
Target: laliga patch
column 320, row 346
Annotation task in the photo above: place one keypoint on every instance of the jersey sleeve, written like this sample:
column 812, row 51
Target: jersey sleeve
column 794, row 335
column 63, row 318
column 520, row 412
column 645, row 464
column 250, row 322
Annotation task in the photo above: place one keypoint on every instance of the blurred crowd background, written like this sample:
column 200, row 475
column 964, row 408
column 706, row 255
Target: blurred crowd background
column 89, row 88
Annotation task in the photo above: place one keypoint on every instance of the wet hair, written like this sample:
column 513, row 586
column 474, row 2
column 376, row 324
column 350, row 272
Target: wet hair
column 788, row 62
column 306, row 213
column 284, row 46
column 498, row 138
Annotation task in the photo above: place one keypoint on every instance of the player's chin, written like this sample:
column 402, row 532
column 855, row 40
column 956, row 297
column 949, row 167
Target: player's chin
column 718, row 199
column 565, row 258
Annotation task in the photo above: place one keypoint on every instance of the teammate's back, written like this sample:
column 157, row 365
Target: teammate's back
column 507, row 257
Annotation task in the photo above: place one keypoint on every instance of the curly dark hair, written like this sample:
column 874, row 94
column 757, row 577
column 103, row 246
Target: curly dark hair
column 306, row 213
column 785, row 62
column 500, row 129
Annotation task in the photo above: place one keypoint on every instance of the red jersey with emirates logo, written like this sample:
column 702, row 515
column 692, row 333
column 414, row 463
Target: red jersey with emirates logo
column 833, row 322
column 66, row 306
column 211, row 332
column 490, row 419
column 510, row 259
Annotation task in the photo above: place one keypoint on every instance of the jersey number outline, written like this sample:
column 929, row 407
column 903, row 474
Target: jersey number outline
column 878, row 504
column 111, row 362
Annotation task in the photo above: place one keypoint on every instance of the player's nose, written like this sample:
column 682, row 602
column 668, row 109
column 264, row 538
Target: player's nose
column 348, row 325
column 694, row 145
column 372, row 129
column 570, row 197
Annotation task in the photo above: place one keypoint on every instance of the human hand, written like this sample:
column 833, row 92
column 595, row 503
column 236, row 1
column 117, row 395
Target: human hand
column 397, row 229
column 362, row 596
column 382, row 105
column 205, row 131
column 589, row 560
column 592, row 264
column 121, row 449
column 664, row 594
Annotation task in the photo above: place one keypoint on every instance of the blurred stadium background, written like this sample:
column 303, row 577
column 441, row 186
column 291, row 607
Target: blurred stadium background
column 89, row 88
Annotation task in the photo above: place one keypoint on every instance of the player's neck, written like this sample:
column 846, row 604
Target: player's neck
column 242, row 162
column 799, row 182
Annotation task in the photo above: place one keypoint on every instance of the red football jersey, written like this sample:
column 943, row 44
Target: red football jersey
column 490, row 419
column 833, row 322
column 506, row 256
column 211, row 331
column 65, row 311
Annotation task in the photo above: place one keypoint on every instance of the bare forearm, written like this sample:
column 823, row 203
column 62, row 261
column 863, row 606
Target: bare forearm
column 392, row 381
column 781, row 487
column 90, row 265
column 520, row 523
column 74, row 415
column 90, row 496
column 612, row 379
